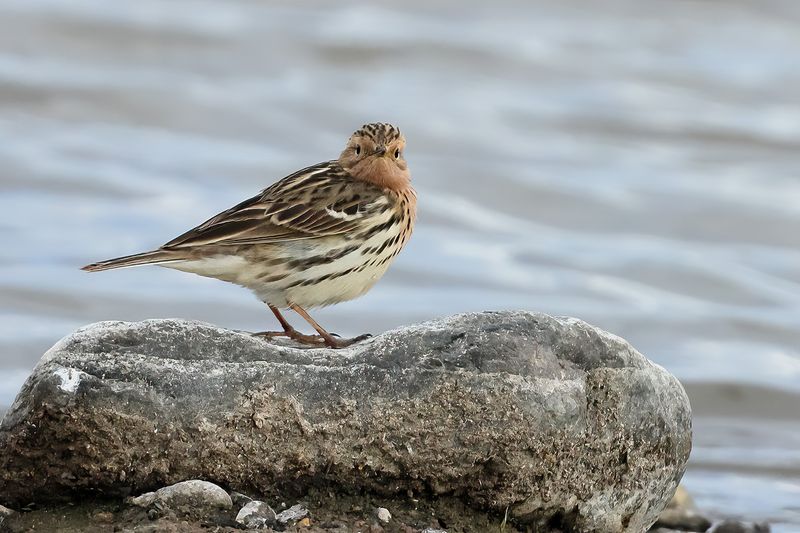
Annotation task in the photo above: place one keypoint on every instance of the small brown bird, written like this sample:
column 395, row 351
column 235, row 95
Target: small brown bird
column 320, row 236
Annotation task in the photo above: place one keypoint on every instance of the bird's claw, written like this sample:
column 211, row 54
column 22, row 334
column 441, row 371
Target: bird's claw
column 313, row 340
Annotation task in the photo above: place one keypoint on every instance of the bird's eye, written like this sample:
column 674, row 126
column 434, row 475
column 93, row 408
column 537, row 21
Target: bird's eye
column 397, row 154
column 358, row 149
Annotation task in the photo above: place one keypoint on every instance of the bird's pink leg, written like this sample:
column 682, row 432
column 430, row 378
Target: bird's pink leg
column 288, row 331
column 330, row 340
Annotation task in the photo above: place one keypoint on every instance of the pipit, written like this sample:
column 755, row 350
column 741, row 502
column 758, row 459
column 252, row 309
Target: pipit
column 320, row 236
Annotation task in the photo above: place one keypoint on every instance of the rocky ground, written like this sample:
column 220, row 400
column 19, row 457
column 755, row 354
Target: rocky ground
column 682, row 514
column 192, row 507
column 318, row 512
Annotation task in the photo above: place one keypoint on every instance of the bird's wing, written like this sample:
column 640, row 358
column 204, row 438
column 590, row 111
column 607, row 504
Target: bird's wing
column 317, row 201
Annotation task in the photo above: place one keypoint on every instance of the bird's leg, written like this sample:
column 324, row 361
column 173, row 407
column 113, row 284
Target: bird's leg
column 284, row 323
column 329, row 339
column 288, row 330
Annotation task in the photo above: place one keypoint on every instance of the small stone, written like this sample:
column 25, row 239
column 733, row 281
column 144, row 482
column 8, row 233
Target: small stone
column 292, row 515
column 305, row 522
column 383, row 514
column 733, row 526
column 240, row 500
column 433, row 530
column 681, row 499
column 256, row 515
column 683, row 520
column 104, row 517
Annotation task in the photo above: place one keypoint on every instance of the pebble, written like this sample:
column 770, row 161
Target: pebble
column 683, row 520
column 732, row 526
column 681, row 515
column 256, row 515
column 104, row 516
column 681, row 499
column 292, row 515
column 383, row 514
column 240, row 500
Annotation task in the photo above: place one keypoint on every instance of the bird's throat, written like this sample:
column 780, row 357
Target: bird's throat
column 383, row 173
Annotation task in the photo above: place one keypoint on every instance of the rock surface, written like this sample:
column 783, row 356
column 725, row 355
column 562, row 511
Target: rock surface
column 563, row 424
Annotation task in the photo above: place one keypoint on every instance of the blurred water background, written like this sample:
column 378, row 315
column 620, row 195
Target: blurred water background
column 634, row 164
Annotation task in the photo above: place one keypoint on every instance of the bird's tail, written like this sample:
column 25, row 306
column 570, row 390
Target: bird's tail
column 147, row 258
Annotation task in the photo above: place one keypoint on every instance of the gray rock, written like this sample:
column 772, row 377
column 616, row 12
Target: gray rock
column 683, row 520
column 240, row 500
column 5, row 512
column 292, row 515
column 256, row 515
column 189, row 497
column 556, row 420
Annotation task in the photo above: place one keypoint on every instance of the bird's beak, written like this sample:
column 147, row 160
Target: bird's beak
column 380, row 150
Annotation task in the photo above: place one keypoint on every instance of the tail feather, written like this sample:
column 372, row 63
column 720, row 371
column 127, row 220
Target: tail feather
column 146, row 258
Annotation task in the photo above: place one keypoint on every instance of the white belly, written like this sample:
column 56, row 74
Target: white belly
column 344, row 279
column 317, row 285
column 336, row 290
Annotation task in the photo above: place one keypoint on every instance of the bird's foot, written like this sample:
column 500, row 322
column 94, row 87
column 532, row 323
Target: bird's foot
column 313, row 340
column 337, row 342
column 331, row 341
column 269, row 334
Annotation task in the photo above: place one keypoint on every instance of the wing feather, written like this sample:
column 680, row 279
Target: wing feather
column 317, row 201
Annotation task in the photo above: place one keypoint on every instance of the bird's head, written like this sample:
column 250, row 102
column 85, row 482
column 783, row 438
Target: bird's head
column 374, row 153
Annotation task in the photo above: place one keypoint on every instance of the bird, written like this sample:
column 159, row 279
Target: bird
column 322, row 235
